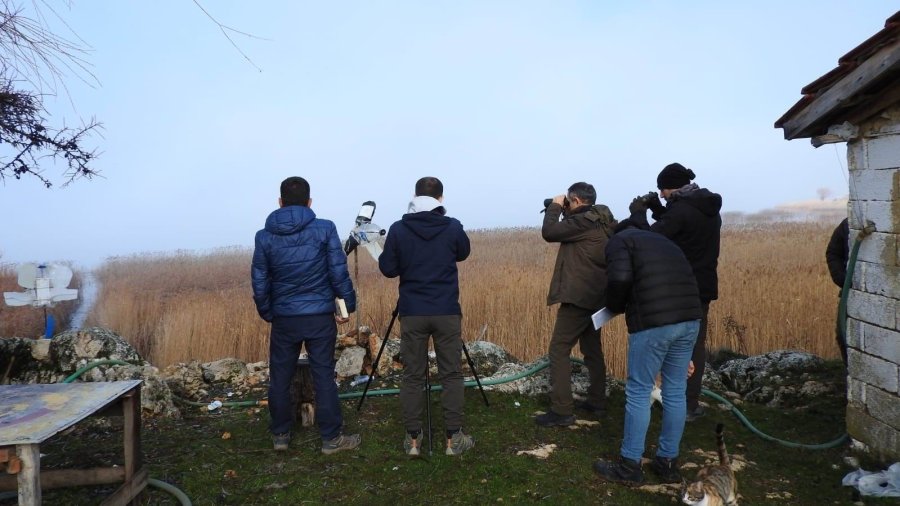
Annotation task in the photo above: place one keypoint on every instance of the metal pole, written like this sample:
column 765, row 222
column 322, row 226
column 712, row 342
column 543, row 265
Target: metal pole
column 356, row 277
column 384, row 339
column 428, row 402
column 475, row 373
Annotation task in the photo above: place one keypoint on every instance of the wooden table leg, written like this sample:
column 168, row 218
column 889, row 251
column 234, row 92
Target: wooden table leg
column 131, row 408
column 29, row 478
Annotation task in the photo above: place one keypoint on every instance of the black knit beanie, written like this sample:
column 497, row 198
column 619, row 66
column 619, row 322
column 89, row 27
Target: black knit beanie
column 674, row 176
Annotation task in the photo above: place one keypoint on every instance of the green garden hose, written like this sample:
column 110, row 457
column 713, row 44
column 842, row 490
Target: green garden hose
column 848, row 279
column 790, row 444
column 92, row 365
column 172, row 489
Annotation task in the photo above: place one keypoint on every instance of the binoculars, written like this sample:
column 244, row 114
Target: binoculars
column 547, row 202
column 648, row 198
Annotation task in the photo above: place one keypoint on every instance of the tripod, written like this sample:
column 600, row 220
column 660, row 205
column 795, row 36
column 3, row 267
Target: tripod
column 427, row 375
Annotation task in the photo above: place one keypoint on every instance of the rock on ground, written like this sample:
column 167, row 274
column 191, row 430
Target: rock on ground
column 75, row 348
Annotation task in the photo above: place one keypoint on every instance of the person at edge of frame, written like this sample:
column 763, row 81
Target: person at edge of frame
column 837, row 254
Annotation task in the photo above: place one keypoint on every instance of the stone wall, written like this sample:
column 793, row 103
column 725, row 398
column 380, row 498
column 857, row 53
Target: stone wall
column 873, row 308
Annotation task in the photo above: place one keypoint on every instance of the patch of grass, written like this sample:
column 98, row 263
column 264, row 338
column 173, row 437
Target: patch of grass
column 192, row 454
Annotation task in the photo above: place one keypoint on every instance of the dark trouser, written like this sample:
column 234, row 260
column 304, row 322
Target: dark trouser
column 840, row 337
column 695, row 382
column 446, row 331
column 319, row 332
column 573, row 324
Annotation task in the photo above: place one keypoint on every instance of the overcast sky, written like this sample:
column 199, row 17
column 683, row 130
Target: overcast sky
column 507, row 102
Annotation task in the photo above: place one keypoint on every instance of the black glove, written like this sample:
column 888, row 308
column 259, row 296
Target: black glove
column 350, row 244
column 655, row 205
column 637, row 206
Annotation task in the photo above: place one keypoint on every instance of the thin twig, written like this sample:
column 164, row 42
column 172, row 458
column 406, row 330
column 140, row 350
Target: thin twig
column 225, row 29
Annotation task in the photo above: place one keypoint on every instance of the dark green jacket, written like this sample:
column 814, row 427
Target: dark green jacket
column 579, row 276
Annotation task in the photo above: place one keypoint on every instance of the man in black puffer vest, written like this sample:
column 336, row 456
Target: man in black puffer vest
column 651, row 281
column 691, row 219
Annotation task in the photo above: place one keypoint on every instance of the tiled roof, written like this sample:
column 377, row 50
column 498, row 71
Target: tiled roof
column 889, row 35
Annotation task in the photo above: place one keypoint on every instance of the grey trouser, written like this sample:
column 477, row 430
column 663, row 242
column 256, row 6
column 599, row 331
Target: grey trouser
column 573, row 324
column 695, row 382
column 446, row 331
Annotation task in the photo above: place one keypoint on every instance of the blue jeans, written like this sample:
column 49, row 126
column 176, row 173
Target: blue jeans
column 665, row 349
column 319, row 332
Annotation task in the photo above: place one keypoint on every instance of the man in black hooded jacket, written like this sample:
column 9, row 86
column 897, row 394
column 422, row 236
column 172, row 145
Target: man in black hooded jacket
column 691, row 219
column 423, row 249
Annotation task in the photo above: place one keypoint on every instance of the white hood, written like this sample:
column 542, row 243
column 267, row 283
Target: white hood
column 420, row 204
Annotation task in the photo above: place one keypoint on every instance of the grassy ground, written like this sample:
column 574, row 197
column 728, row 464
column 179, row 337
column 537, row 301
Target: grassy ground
column 193, row 455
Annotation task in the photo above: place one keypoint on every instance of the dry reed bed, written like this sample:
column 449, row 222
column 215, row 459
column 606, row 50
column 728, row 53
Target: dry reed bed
column 774, row 289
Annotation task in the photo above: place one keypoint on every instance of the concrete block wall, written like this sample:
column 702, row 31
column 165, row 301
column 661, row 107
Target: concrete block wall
column 873, row 309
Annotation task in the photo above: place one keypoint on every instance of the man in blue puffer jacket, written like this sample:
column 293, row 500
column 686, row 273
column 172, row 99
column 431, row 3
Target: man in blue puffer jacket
column 298, row 270
column 423, row 249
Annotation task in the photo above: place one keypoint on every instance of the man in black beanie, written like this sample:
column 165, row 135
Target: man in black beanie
column 691, row 219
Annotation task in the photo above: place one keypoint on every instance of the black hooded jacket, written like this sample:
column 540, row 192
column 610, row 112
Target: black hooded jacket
column 691, row 219
column 650, row 280
column 423, row 249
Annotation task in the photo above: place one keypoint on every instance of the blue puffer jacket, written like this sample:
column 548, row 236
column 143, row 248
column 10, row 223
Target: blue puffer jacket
column 423, row 248
column 298, row 266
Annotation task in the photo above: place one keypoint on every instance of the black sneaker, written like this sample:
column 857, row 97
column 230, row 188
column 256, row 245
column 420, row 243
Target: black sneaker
column 623, row 470
column 598, row 411
column 666, row 469
column 693, row 414
column 551, row 419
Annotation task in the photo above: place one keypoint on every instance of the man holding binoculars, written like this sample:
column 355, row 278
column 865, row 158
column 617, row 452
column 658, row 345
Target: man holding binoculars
column 691, row 220
column 578, row 285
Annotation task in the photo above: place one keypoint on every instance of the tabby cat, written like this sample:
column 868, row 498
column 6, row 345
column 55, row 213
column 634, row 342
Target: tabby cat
column 715, row 484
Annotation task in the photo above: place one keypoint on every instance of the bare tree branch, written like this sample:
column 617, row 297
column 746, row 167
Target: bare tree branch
column 35, row 62
column 225, row 29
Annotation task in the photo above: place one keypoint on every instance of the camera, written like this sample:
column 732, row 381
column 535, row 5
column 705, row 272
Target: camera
column 547, row 203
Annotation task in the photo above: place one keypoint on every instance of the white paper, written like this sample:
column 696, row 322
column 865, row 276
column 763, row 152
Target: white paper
column 601, row 317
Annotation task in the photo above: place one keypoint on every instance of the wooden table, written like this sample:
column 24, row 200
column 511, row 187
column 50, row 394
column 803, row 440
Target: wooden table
column 31, row 414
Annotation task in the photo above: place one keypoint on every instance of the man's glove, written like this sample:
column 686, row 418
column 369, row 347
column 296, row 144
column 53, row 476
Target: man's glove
column 638, row 206
column 655, row 205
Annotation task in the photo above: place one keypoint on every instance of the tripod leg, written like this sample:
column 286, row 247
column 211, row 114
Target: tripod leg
column 475, row 373
column 384, row 340
column 428, row 404
column 356, row 281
